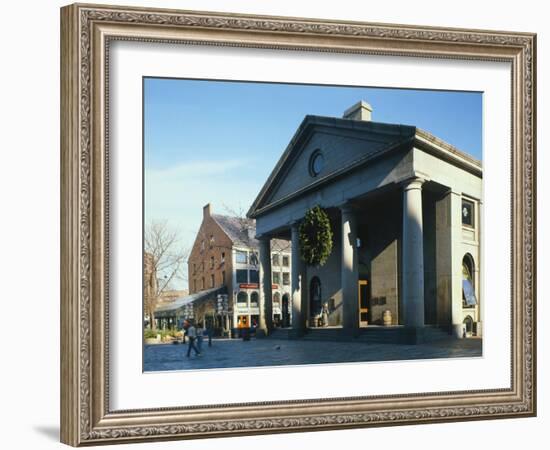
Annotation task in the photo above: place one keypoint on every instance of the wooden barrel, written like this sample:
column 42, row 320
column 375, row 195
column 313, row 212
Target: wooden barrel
column 386, row 317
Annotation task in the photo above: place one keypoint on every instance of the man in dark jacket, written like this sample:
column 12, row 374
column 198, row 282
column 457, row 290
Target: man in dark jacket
column 191, row 333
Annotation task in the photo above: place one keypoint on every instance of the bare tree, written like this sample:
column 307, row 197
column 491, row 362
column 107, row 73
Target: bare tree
column 240, row 214
column 202, row 309
column 164, row 260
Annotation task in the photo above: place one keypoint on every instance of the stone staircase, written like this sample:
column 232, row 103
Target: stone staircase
column 368, row 335
column 283, row 333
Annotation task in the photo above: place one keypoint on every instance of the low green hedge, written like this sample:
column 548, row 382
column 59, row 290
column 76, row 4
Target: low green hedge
column 152, row 334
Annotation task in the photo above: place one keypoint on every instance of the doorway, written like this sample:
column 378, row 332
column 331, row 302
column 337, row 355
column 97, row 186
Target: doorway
column 286, row 311
column 314, row 300
column 364, row 304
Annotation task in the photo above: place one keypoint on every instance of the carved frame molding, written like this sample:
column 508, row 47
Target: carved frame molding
column 86, row 32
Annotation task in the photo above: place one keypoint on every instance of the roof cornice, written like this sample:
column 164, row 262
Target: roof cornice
column 443, row 150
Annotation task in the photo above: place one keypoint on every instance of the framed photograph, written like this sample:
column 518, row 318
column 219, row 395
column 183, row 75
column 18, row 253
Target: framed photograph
column 275, row 224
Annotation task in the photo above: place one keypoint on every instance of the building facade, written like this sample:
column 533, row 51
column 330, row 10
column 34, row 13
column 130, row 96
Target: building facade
column 225, row 256
column 407, row 215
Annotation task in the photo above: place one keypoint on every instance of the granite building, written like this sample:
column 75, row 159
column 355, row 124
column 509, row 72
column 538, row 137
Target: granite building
column 406, row 213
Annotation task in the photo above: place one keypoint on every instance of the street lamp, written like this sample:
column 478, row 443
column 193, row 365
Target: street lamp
column 223, row 310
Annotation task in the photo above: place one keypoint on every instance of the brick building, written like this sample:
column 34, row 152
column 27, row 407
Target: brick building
column 224, row 258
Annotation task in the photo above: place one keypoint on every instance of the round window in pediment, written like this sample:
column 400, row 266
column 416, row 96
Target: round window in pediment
column 316, row 163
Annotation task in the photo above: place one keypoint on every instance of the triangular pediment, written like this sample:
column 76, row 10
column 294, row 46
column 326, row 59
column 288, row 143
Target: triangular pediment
column 324, row 148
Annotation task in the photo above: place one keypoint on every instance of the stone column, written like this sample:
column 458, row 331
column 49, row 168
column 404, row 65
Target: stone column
column 349, row 270
column 413, row 253
column 266, row 309
column 449, row 262
column 455, row 225
column 297, row 316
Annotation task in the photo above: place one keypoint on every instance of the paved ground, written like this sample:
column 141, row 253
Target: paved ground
column 270, row 352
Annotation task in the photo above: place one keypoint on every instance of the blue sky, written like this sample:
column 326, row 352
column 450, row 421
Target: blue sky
column 216, row 142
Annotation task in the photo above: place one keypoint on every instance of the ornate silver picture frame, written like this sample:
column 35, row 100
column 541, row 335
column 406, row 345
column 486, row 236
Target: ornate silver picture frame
column 87, row 33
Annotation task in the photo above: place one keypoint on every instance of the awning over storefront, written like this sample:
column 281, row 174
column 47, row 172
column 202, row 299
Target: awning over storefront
column 177, row 307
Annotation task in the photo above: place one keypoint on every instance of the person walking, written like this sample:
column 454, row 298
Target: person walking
column 200, row 336
column 324, row 314
column 191, row 333
column 207, row 334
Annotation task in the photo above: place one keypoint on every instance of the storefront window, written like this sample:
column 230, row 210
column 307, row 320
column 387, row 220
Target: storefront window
column 242, row 276
column 286, row 278
column 254, row 276
column 242, row 297
column 254, row 299
column 241, row 257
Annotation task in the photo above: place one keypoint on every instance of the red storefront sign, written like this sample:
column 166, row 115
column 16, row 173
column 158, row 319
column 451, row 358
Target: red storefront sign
column 255, row 286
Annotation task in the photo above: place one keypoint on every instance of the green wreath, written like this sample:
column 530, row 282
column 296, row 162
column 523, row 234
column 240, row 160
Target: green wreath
column 315, row 237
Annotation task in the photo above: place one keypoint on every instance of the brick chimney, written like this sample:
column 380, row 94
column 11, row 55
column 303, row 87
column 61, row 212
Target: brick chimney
column 251, row 230
column 206, row 211
column 360, row 111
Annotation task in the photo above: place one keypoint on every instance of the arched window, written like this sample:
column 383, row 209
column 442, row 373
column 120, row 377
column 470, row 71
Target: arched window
column 242, row 297
column 468, row 290
column 316, row 163
column 254, row 299
column 469, row 324
column 315, row 296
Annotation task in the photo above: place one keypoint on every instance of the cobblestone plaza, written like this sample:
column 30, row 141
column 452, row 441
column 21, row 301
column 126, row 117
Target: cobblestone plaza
column 225, row 353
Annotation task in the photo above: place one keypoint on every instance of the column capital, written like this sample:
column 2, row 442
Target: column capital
column 295, row 224
column 414, row 182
